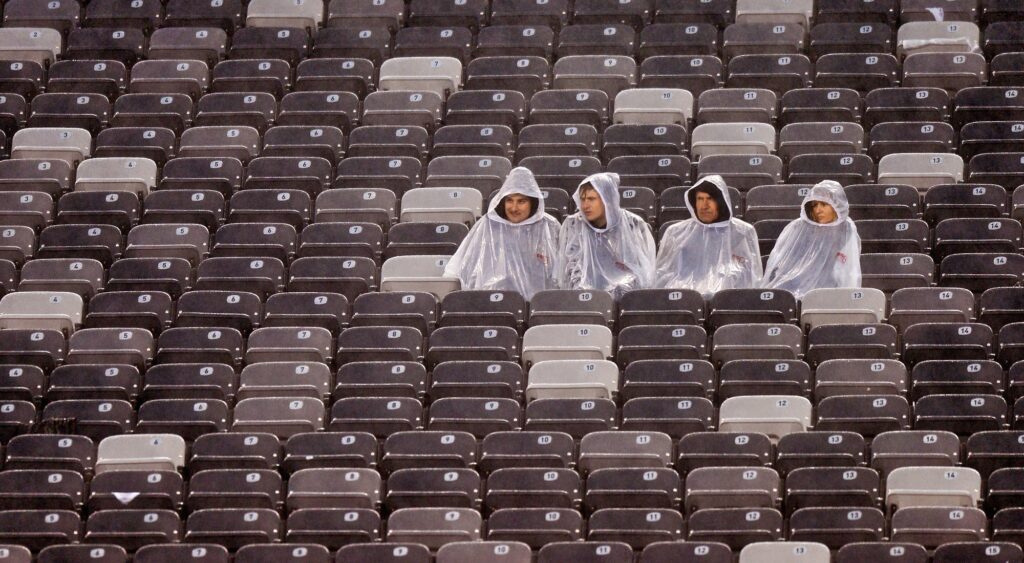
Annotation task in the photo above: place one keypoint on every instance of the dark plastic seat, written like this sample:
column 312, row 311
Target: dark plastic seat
column 585, row 552
column 338, row 239
column 107, row 78
column 575, row 417
column 985, row 103
column 379, row 416
column 500, row 450
column 932, row 526
column 261, row 553
column 516, row 40
column 861, row 72
column 343, row 77
column 947, row 341
column 207, row 173
column 528, row 75
column 569, row 106
column 159, row 490
column 107, row 553
column 125, row 45
column 455, row 139
column 991, row 452
column 735, row 527
column 522, row 487
column 186, row 417
column 1004, row 70
column 101, row 243
column 825, row 342
column 234, row 488
column 38, row 529
column 535, row 527
column 313, row 450
column 250, row 450
column 97, row 419
column 204, row 207
column 696, row 73
column 588, row 38
column 962, row 414
column 882, row 551
column 182, row 345
column 287, row 43
column 850, row 37
column 41, row 490
column 388, row 140
column 927, row 304
column 182, row 381
column 905, row 104
column 233, row 528
column 333, row 527
column 156, row 144
column 255, row 110
column 87, row 111
column 837, row 527
column 262, row 276
column 434, row 41
column 777, row 73
column 717, row 12
column 95, row 381
column 486, row 107
column 766, row 38
column 429, row 449
column 637, row 527
column 172, row 276
column 866, row 414
column 372, row 205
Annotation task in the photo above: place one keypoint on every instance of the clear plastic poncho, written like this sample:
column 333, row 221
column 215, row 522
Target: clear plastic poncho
column 500, row 255
column 809, row 255
column 617, row 258
column 709, row 257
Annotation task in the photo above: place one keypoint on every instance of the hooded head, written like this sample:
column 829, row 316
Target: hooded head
column 507, row 204
column 708, row 201
column 606, row 187
column 836, row 208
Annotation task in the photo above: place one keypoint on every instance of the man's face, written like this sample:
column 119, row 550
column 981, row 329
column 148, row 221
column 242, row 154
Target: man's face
column 592, row 206
column 706, row 208
column 822, row 212
column 517, row 208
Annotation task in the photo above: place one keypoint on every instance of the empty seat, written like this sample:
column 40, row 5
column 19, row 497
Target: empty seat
column 735, row 527
column 756, row 341
column 774, row 416
column 280, row 416
column 932, row 526
column 763, row 552
column 762, row 37
column 885, row 551
column 951, row 71
column 234, row 488
column 347, row 79
column 777, row 73
column 936, row 37
column 70, row 145
column 36, row 44
column 868, row 415
column 576, row 417
column 312, row 450
column 624, row 449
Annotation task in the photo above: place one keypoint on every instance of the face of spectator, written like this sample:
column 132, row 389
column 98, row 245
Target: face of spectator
column 517, row 208
column 822, row 213
column 706, row 208
column 592, row 207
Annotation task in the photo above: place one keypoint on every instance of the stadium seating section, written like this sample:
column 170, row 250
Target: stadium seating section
column 226, row 333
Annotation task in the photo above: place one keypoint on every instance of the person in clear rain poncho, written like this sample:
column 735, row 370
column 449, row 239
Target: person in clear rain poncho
column 821, row 249
column 712, row 250
column 512, row 247
column 603, row 246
